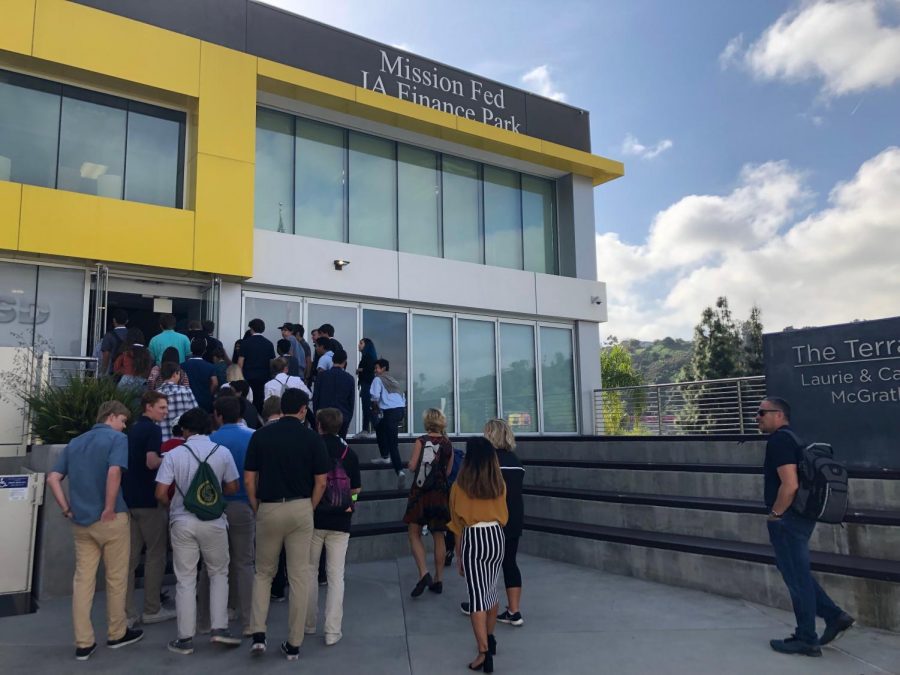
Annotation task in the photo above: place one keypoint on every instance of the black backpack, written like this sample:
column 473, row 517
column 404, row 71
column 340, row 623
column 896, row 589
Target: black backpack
column 823, row 490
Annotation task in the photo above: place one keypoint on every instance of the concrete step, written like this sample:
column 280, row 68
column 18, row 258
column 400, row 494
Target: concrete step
column 721, row 482
column 732, row 521
column 868, row 589
column 378, row 478
column 381, row 507
column 738, row 450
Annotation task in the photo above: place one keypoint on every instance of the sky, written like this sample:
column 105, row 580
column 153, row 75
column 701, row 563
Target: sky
column 761, row 141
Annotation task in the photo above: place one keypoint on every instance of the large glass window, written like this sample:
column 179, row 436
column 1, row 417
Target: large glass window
column 29, row 129
column 517, row 376
column 92, row 147
column 462, row 210
column 387, row 331
column 418, row 203
column 557, row 379
column 18, row 288
column 274, row 171
column 373, row 192
column 273, row 312
column 354, row 187
column 432, row 373
column 320, row 180
column 68, row 138
column 477, row 374
column 539, row 224
column 344, row 321
column 502, row 218
column 153, row 159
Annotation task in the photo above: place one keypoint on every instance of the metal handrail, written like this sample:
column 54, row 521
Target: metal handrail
column 705, row 407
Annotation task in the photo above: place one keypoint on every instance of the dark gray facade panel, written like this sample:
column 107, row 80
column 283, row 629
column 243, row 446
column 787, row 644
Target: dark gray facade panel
column 223, row 22
column 843, row 384
column 280, row 36
column 559, row 124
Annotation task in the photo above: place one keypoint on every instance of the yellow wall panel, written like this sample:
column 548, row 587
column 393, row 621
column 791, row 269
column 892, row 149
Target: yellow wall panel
column 16, row 25
column 10, row 205
column 306, row 80
column 101, row 42
column 56, row 222
column 227, row 103
column 223, row 241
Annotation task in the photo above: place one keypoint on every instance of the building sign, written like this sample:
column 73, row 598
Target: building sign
column 277, row 35
column 432, row 87
column 843, row 384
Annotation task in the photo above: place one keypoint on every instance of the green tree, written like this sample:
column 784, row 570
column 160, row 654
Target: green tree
column 752, row 344
column 617, row 370
column 717, row 345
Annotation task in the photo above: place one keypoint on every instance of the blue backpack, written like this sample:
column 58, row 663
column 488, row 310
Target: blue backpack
column 458, row 456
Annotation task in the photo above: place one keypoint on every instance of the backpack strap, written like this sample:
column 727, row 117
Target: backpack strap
column 191, row 450
column 346, row 450
column 795, row 437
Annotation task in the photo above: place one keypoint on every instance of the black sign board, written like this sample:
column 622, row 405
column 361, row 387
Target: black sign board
column 843, row 384
column 277, row 35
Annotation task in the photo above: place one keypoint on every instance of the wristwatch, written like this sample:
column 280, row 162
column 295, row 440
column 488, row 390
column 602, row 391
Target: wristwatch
column 774, row 514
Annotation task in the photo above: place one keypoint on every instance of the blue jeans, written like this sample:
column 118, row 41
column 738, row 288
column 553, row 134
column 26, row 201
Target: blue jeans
column 790, row 539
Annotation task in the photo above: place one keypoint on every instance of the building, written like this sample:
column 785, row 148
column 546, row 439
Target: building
column 224, row 159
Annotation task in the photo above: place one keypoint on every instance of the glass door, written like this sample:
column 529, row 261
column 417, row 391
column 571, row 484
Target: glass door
column 388, row 331
column 344, row 317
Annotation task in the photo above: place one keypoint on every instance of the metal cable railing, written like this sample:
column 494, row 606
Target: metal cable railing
column 705, row 407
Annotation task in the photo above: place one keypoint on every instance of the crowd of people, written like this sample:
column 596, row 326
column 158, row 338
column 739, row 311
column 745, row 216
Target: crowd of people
column 243, row 466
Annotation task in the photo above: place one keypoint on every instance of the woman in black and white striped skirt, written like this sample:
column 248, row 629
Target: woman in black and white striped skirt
column 478, row 513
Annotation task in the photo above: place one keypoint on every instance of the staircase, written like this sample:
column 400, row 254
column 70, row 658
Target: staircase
column 681, row 511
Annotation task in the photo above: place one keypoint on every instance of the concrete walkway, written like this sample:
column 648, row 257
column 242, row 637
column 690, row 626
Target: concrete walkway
column 578, row 620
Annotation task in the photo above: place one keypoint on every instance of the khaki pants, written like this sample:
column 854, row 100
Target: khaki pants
column 112, row 541
column 241, row 532
column 335, row 544
column 149, row 527
column 288, row 524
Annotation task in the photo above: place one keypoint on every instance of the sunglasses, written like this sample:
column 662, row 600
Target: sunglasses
column 761, row 412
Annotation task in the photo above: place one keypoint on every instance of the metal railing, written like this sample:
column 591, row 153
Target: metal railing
column 705, row 407
column 57, row 370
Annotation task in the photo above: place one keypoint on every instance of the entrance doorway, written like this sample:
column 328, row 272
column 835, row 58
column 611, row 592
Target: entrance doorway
column 141, row 314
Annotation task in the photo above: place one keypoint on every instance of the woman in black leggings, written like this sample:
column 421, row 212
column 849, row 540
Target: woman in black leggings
column 501, row 437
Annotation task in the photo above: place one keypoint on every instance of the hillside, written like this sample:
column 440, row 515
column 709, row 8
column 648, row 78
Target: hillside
column 659, row 361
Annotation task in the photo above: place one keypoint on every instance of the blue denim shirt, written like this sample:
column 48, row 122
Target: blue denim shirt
column 86, row 461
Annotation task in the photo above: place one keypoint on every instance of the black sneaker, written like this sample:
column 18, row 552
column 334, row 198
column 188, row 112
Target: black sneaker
column 794, row 646
column 512, row 618
column 258, row 646
column 291, row 653
column 131, row 636
column 436, row 587
column 223, row 636
column 836, row 628
column 464, row 608
column 422, row 584
column 183, row 646
column 278, row 598
column 84, row 653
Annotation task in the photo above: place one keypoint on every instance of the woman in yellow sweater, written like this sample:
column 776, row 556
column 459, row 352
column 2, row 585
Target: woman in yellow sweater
column 477, row 516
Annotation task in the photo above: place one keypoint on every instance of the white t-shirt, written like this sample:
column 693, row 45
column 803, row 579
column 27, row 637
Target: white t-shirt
column 179, row 467
column 281, row 383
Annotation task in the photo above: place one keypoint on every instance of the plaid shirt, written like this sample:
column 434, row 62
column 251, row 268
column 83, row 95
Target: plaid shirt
column 181, row 399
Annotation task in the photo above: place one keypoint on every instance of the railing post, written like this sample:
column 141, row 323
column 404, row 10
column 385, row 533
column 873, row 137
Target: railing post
column 659, row 426
column 740, row 402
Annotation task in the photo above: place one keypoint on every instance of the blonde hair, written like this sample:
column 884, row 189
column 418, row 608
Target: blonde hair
column 233, row 373
column 434, row 421
column 499, row 434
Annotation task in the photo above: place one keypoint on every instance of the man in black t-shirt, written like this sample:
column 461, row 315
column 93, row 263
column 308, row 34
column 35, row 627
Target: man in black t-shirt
column 149, row 521
column 790, row 533
column 332, row 530
column 257, row 352
column 284, row 474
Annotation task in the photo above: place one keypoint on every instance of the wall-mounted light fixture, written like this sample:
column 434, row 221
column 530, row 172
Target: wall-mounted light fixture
column 340, row 264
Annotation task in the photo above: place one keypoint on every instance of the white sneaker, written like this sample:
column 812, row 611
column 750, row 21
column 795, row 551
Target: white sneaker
column 381, row 460
column 401, row 480
column 332, row 639
column 163, row 614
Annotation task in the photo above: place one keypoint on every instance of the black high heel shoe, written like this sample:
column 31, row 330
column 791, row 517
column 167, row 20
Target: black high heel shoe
column 492, row 645
column 487, row 664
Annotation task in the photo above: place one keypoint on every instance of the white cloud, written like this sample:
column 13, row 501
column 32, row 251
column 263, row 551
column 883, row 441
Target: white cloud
column 754, row 245
column 539, row 81
column 632, row 146
column 847, row 44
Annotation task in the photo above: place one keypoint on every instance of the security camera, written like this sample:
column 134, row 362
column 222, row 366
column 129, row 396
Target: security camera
column 596, row 300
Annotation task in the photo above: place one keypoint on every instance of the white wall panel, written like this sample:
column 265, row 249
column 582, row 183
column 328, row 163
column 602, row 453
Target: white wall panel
column 568, row 298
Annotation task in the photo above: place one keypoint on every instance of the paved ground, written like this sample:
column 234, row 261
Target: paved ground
column 577, row 621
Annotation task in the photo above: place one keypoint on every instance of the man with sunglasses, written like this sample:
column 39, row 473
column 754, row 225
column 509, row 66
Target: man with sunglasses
column 790, row 533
